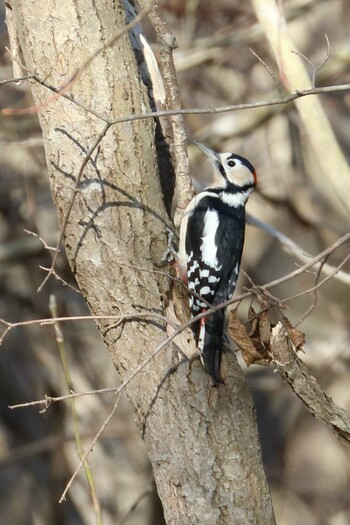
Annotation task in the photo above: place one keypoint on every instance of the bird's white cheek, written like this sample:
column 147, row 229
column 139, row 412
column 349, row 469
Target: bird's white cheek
column 240, row 177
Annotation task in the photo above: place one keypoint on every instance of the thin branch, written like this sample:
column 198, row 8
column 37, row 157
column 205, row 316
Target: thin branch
column 50, row 320
column 311, row 263
column 45, row 245
column 14, row 80
column 134, row 506
column 48, row 400
column 60, row 279
column 321, row 283
column 315, row 69
column 236, row 107
column 75, row 421
column 294, row 248
column 90, row 449
column 205, row 111
column 269, row 70
column 314, row 290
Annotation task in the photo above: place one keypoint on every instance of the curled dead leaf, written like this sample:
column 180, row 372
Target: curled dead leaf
column 253, row 350
column 296, row 336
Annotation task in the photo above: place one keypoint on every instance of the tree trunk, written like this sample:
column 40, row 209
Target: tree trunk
column 202, row 441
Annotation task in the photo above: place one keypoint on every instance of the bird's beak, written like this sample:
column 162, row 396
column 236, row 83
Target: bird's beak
column 214, row 158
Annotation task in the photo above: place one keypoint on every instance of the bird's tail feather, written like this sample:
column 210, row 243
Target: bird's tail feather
column 210, row 343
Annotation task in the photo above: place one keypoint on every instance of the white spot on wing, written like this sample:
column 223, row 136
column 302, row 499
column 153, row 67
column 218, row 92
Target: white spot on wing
column 188, row 212
column 205, row 290
column 208, row 248
column 204, row 274
column 213, row 279
column 192, row 284
column 193, row 268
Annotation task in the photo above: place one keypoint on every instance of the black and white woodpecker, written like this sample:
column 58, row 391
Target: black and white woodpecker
column 211, row 245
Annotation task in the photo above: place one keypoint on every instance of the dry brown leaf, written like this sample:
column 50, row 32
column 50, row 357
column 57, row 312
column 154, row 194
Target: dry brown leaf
column 297, row 336
column 253, row 351
column 264, row 325
column 253, row 319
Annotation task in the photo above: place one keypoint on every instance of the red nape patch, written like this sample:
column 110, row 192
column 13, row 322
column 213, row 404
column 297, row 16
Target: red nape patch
column 255, row 177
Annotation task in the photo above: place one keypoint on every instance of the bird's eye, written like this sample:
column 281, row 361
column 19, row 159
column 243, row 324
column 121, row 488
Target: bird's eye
column 231, row 163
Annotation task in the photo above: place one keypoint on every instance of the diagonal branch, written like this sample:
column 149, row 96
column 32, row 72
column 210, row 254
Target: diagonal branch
column 296, row 374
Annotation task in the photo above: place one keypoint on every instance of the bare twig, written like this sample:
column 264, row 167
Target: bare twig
column 236, row 107
column 14, row 80
column 75, row 421
column 202, row 111
column 43, row 322
column 134, row 506
column 294, row 248
column 311, row 263
column 48, row 400
column 60, row 279
column 321, row 283
column 269, row 70
column 316, row 69
column 45, row 245
column 90, row 449
column 314, row 290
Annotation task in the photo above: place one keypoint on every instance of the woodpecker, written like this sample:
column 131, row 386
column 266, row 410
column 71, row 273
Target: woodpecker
column 210, row 249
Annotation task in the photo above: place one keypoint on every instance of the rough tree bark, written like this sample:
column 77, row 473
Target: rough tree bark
column 202, row 441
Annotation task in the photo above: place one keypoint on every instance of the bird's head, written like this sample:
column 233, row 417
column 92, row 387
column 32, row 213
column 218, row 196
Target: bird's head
column 229, row 168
